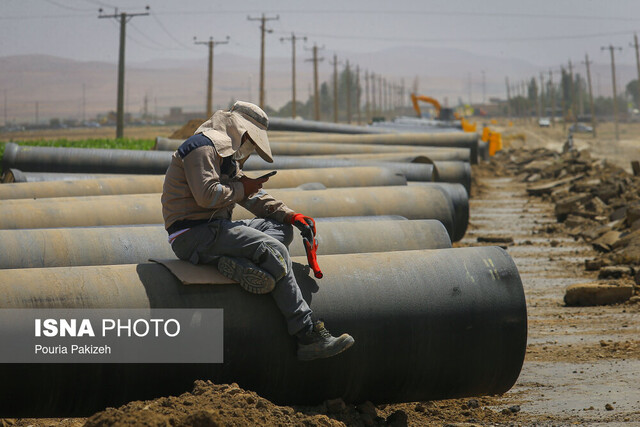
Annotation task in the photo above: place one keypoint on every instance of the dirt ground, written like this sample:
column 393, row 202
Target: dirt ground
column 582, row 363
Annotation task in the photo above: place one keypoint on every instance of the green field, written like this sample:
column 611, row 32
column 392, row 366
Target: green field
column 124, row 144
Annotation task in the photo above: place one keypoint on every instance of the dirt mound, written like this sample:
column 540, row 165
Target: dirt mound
column 187, row 130
column 228, row 405
column 207, row 405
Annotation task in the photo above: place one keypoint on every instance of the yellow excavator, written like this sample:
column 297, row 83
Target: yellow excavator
column 446, row 114
column 441, row 113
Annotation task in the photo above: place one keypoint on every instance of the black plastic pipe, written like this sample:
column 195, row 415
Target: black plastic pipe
column 292, row 125
column 283, row 148
column 11, row 176
column 62, row 247
column 365, row 176
column 85, row 160
column 94, row 160
column 415, row 202
column 412, row 171
column 439, row 139
column 425, row 328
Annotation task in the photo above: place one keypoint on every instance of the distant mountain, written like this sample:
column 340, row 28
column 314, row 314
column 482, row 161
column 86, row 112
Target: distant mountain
column 56, row 84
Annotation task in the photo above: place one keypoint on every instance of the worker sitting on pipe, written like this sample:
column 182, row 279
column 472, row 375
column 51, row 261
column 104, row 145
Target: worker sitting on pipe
column 202, row 185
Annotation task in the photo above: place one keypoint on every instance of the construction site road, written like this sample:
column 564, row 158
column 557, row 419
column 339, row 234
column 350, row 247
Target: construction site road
column 582, row 363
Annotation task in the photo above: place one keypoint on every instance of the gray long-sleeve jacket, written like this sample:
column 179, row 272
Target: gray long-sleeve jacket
column 200, row 185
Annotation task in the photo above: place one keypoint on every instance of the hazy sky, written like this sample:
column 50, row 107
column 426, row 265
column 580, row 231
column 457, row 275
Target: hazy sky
column 542, row 32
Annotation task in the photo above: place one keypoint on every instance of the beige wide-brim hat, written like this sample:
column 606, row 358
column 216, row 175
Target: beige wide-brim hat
column 255, row 122
column 226, row 128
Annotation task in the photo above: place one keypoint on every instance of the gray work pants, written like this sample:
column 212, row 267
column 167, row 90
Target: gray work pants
column 264, row 242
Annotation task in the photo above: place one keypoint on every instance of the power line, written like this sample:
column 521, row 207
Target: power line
column 361, row 12
column 55, row 3
column 99, row 3
column 472, row 40
column 136, row 29
column 153, row 15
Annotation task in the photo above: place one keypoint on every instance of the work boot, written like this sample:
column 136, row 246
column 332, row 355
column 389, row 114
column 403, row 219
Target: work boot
column 318, row 343
column 251, row 277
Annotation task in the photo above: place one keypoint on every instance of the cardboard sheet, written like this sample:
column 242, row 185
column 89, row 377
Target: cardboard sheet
column 190, row 274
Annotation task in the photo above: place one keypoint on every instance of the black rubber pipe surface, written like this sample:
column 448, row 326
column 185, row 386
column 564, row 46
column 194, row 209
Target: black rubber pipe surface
column 428, row 325
column 62, row 247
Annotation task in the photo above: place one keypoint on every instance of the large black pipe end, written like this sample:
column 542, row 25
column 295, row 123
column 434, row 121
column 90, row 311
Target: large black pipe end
column 427, row 325
column 9, row 156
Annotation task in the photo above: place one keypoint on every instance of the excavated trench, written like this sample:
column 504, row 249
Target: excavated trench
column 580, row 360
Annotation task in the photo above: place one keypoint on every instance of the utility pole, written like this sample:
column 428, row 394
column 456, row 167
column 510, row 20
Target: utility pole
column 635, row 44
column 553, row 100
column 615, row 95
column 335, row 87
column 84, row 104
column 358, row 94
column 372, row 76
column 367, row 105
column 124, row 18
column 211, row 44
column 145, row 108
column 484, row 87
column 593, row 111
column 348, row 73
column 523, row 86
column 572, row 92
column 293, row 39
column 402, row 100
column 506, row 80
column 538, row 103
column 385, row 90
column 263, row 29
column 37, row 113
column 470, row 89
column 380, row 103
column 316, row 95
column 542, row 112
column 5, row 108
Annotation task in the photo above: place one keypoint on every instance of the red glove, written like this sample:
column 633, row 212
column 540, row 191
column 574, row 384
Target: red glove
column 307, row 227
column 304, row 224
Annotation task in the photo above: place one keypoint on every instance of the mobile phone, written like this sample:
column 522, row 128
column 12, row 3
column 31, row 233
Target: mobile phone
column 267, row 175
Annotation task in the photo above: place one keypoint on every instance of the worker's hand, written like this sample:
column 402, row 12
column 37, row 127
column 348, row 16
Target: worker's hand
column 251, row 185
column 306, row 225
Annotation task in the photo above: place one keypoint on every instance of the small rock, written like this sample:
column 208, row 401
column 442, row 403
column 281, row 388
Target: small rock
column 592, row 264
column 473, row 403
column 398, row 419
column 608, row 407
column 597, row 293
column 634, row 299
column 335, row 405
column 514, row 409
column 554, row 243
column 636, row 277
column 614, row 272
column 495, row 239
column 419, row 407
column 506, row 411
